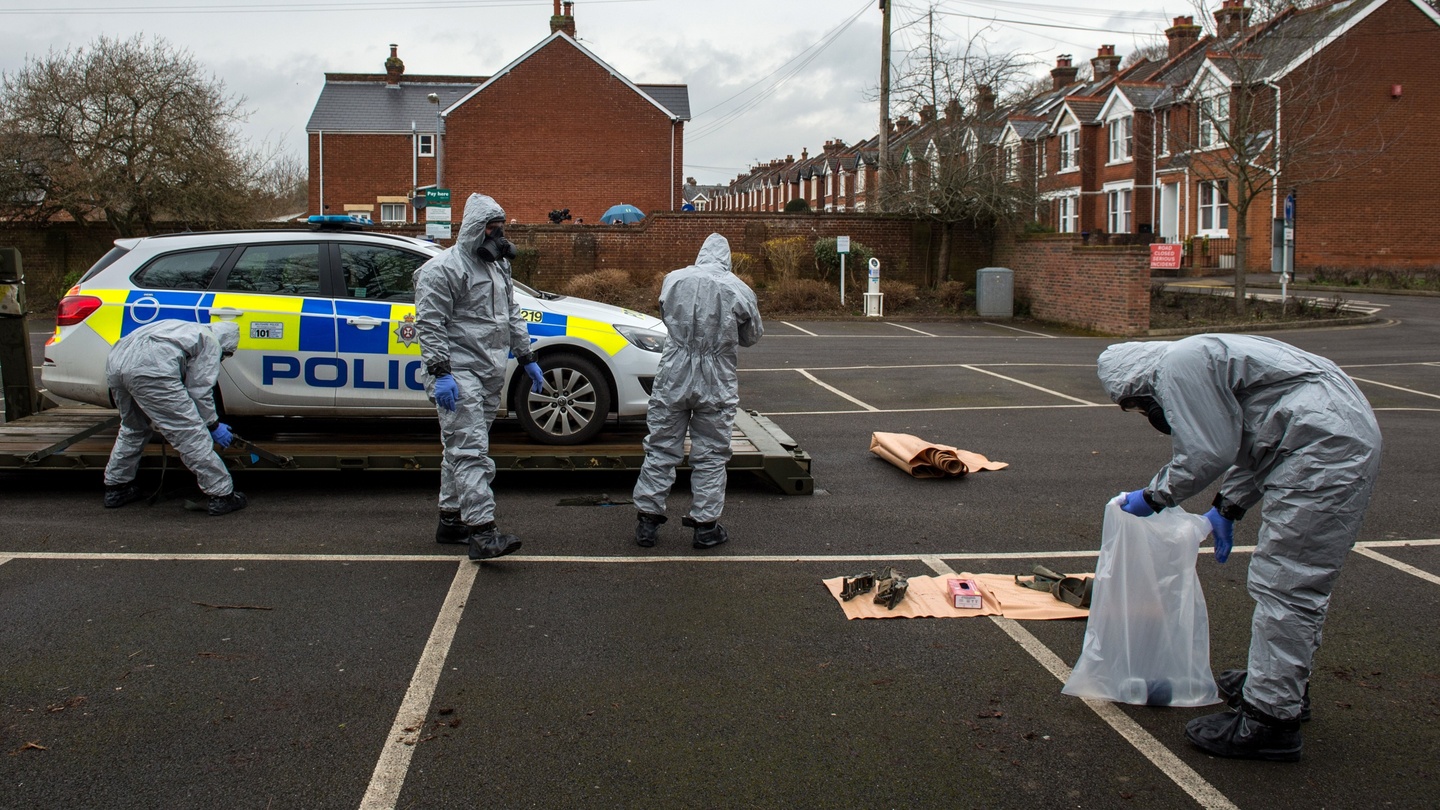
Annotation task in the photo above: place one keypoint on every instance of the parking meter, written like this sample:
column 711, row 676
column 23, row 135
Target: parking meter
column 874, row 299
column 15, row 364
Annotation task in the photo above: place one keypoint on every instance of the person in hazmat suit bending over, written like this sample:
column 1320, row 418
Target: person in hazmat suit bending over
column 162, row 377
column 1278, row 427
column 709, row 313
column 469, row 324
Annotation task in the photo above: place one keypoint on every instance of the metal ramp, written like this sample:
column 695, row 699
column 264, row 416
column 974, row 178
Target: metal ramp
column 80, row 438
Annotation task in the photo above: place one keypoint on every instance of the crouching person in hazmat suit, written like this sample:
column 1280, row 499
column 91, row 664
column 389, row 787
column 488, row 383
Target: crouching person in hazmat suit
column 468, row 324
column 709, row 313
column 1277, row 427
column 162, row 377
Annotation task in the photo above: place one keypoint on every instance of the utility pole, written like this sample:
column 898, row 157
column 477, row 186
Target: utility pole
column 882, row 170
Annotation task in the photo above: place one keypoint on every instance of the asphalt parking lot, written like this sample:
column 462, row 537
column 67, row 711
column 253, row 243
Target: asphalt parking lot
column 318, row 650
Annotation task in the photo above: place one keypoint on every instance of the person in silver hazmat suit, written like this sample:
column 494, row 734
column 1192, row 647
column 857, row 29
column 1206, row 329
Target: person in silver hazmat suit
column 709, row 313
column 1281, row 428
column 162, row 377
column 469, row 324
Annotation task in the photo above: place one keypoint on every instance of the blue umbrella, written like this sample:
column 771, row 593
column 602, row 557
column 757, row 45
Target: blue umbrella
column 621, row 214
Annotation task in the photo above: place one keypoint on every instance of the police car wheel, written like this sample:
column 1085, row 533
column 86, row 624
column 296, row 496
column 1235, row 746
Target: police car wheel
column 573, row 406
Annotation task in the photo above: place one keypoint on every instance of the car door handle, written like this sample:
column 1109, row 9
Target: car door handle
column 364, row 322
column 226, row 312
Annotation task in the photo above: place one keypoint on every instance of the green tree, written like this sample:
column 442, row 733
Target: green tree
column 135, row 131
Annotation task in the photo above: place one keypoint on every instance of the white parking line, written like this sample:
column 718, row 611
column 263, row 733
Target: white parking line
column 1017, row 329
column 936, row 410
column 1032, row 385
column 1143, row 741
column 889, row 366
column 911, row 328
column 832, row 389
column 798, row 329
column 389, row 774
column 1396, row 387
column 1394, row 563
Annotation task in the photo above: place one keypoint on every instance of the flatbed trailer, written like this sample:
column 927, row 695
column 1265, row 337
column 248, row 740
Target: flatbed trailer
column 80, row 437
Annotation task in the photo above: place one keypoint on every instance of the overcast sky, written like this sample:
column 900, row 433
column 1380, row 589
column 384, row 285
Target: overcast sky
column 767, row 77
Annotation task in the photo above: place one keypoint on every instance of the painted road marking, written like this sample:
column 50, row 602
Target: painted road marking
column 394, row 763
column 1394, row 563
column 1396, row 387
column 1036, row 387
column 911, row 328
column 1143, row 741
column 936, row 410
column 927, row 365
column 1018, row 329
column 798, row 329
column 832, row 389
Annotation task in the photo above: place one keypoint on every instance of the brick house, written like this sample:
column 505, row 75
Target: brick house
column 1153, row 150
column 555, row 128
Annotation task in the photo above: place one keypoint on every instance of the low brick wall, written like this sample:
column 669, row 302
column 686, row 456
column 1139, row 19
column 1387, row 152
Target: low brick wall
column 1103, row 289
column 49, row 252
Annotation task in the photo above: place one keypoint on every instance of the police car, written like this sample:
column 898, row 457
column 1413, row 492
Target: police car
column 327, row 328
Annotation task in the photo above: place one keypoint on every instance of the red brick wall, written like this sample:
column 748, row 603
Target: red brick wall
column 559, row 131
column 360, row 168
column 1104, row 289
column 50, row 252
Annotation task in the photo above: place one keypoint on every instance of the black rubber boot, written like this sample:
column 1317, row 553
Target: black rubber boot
column 225, row 504
column 487, row 543
column 117, row 495
column 647, row 529
column 1231, row 685
column 452, row 529
column 707, row 535
column 1246, row 733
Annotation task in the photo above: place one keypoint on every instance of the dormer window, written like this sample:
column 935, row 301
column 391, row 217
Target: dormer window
column 1069, row 149
column 1122, row 138
column 1214, row 120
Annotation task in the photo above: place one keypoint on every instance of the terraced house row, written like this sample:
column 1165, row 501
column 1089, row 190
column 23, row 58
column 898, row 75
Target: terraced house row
column 1334, row 107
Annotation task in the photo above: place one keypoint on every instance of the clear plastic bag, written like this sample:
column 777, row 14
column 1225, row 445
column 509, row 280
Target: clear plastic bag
column 1147, row 641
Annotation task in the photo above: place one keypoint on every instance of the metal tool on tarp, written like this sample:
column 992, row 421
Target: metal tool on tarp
column 890, row 588
column 257, row 452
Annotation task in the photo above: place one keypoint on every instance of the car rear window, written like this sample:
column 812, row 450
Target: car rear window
column 105, row 261
column 379, row 273
column 190, row 270
column 292, row 269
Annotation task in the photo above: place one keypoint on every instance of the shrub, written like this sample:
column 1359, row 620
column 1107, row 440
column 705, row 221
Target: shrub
column 898, row 294
column 955, row 295
column 785, row 255
column 802, row 295
column 607, row 286
column 828, row 260
column 744, row 264
column 523, row 266
column 797, row 205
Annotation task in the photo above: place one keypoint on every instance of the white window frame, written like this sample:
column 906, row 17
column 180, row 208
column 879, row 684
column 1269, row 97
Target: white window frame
column 424, row 145
column 1122, row 138
column 392, row 212
column 1212, row 209
column 1067, row 213
column 1164, row 120
column 1120, row 209
column 859, row 177
column 1214, row 122
column 1069, row 141
column 1010, row 155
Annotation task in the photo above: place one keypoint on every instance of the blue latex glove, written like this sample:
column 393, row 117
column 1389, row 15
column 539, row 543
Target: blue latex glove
column 1134, row 503
column 447, row 392
column 222, row 435
column 537, row 379
column 1224, row 531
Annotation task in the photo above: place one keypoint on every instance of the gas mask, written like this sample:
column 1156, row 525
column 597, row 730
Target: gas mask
column 1151, row 409
column 495, row 246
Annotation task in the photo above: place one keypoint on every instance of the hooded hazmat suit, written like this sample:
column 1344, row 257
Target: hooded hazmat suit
column 1279, row 427
column 469, row 324
column 162, row 377
column 709, row 313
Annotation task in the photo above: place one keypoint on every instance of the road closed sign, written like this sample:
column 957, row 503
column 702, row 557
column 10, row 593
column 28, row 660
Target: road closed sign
column 1166, row 256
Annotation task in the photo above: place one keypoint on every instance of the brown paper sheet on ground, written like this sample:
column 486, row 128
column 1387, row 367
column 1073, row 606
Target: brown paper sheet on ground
column 929, row 597
column 924, row 459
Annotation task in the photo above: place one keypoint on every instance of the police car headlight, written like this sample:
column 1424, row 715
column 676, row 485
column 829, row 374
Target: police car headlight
column 647, row 339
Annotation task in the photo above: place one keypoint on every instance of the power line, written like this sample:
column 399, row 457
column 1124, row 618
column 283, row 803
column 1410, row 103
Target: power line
column 304, row 6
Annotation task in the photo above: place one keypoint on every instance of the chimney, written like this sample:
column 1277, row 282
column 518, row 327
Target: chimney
column 1231, row 18
column 1182, row 35
column 984, row 99
column 903, row 123
column 1063, row 73
column 804, row 153
column 1105, row 62
column 394, row 68
column 834, row 146
column 952, row 110
column 563, row 20
column 690, row 181
column 927, row 113
column 789, row 159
